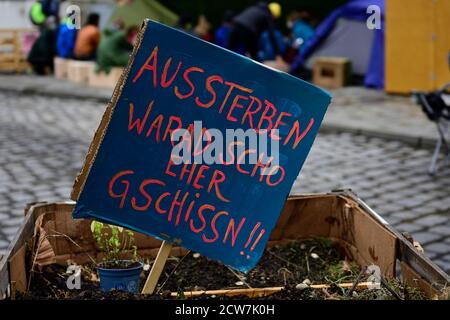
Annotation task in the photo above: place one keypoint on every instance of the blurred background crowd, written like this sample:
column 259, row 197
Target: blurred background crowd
column 290, row 35
column 283, row 35
column 255, row 31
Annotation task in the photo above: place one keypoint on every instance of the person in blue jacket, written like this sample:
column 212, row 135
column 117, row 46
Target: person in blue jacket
column 250, row 24
column 65, row 42
column 266, row 50
column 223, row 32
column 299, row 22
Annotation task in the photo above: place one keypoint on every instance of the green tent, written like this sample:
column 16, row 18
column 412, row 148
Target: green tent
column 136, row 11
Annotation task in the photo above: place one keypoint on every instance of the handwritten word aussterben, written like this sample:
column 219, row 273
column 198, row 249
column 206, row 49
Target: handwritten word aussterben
column 237, row 104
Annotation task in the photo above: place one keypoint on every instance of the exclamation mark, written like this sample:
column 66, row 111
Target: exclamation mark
column 252, row 234
column 257, row 239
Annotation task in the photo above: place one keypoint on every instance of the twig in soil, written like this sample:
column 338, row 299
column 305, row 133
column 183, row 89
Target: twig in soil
column 284, row 271
column 388, row 287
column 357, row 280
column 239, row 277
column 49, row 284
column 327, row 294
column 282, row 259
column 71, row 240
column 307, row 263
column 261, row 292
column 57, row 234
column 34, row 262
column 172, row 272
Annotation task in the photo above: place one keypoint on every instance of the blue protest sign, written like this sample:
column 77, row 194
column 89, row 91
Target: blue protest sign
column 163, row 163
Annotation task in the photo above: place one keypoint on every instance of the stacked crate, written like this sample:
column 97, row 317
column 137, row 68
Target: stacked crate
column 79, row 71
column 105, row 80
column 12, row 55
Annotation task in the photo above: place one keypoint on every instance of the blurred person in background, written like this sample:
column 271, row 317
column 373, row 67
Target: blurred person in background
column 115, row 48
column 65, row 41
column 117, row 25
column 250, row 24
column 43, row 9
column 266, row 50
column 43, row 50
column 222, row 34
column 203, row 29
column 51, row 7
column 185, row 23
column 299, row 22
column 88, row 39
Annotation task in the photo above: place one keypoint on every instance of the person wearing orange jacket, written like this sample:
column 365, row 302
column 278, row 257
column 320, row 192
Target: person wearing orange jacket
column 88, row 39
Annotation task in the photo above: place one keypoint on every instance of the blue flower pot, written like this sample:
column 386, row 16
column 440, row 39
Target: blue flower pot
column 120, row 279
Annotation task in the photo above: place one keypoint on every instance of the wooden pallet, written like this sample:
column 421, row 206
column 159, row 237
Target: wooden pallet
column 12, row 57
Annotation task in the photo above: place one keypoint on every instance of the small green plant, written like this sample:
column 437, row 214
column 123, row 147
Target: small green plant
column 114, row 241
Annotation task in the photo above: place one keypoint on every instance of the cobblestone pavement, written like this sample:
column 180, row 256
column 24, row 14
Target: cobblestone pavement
column 43, row 142
column 356, row 109
column 380, row 114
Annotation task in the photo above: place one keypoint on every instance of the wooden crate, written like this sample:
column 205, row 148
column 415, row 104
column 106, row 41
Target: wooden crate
column 341, row 216
column 78, row 71
column 61, row 67
column 331, row 72
column 12, row 55
column 104, row 80
column 417, row 45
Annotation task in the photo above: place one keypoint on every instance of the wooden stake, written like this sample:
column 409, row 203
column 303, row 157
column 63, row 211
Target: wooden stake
column 158, row 265
column 261, row 292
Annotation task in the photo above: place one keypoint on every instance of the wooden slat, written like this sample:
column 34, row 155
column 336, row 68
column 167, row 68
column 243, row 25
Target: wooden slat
column 422, row 266
column 259, row 292
column 24, row 233
column 17, row 270
column 289, row 209
column 157, row 268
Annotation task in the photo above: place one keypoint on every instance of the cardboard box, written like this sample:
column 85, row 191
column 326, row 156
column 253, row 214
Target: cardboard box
column 78, row 71
column 61, row 67
column 103, row 79
column 341, row 216
column 332, row 72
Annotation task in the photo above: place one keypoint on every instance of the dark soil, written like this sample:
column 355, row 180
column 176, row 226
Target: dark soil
column 311, row 261
column 279, row 266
